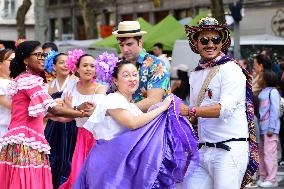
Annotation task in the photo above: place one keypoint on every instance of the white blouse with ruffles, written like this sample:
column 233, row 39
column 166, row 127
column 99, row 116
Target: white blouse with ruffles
column 105, row 127
column 78, row 98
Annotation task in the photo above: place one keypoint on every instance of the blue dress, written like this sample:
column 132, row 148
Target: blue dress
column 62, row 140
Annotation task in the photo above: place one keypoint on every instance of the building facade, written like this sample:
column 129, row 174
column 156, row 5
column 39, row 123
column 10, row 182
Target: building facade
column 8, row 30
column 62, row 19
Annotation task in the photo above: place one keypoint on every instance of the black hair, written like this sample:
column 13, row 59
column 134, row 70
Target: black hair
column 22, row 52
column 183, row 90
column 79, row 60
column 55, row 58
column 118, row 66
column 264, row 60
column 159, row 45
column 50, row 45
column 269, row 78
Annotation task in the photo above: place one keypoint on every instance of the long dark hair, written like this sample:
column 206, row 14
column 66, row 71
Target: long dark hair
column 22, row 52
column 183, row 90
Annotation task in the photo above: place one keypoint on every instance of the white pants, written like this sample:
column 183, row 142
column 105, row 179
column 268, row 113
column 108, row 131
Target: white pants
column 218, row 168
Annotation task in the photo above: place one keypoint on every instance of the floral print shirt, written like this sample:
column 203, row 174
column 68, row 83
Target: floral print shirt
column 153, row 74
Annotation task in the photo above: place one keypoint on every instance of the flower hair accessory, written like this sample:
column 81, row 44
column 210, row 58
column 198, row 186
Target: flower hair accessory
column 48, row 64
column 19, row 41
column 105, row 64
column 72, row 60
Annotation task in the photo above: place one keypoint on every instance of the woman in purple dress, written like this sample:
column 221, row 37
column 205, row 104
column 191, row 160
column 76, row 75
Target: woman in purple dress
column 135, row 149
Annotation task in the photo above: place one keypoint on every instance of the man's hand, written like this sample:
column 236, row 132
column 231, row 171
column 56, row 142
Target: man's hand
column 183, row 109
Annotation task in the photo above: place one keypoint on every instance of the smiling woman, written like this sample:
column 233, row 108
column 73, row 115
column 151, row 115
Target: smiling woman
column 24, row 152
column 6, row 56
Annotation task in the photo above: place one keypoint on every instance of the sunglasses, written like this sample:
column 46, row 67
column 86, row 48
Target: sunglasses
column 40, row 55
column 215, row 40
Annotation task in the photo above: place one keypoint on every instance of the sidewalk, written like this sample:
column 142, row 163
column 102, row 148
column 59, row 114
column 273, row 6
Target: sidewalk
column 280, row 178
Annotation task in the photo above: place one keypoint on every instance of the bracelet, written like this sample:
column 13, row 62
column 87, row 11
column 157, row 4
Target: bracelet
column 192, row 112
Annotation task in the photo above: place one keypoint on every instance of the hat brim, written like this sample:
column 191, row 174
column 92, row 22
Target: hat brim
column 226, row 39
column 116, row 34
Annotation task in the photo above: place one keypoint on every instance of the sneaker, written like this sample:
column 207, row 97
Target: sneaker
column 268, row 184
column 259, row 182
column 281, row 163
column 251, row 185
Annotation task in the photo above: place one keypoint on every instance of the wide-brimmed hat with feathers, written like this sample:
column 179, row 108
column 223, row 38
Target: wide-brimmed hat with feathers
column 208, row 23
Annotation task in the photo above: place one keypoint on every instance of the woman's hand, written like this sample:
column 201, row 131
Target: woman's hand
column 68, row 100
column 166, row 103
column 59, row 101
column 86, row 107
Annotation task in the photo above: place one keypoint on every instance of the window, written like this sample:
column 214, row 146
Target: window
column 54, row 31
column 9, row 9
column 67, row 26
column 52, row 2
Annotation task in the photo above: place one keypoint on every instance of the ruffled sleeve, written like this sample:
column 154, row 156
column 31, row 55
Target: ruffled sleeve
column 36, row 90
column 112, row 101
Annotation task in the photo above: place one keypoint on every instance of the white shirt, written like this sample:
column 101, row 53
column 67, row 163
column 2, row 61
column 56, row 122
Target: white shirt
column 228, row 88
column 78, row 98
column 105, row 127
column 4, row 112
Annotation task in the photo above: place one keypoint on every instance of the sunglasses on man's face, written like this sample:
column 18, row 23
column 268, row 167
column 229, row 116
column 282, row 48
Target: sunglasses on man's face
column 205, row 40
column 40, row 55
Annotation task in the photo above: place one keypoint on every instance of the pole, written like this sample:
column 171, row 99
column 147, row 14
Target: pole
column 237, row 48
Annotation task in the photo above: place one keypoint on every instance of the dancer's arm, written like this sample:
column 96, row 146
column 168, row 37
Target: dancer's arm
column 154, row 96
column 5, row 102
column 127, row 119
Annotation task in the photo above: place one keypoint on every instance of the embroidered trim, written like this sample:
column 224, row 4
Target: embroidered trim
column 37, row 109
column 22, row 139
column 27, row 166
column 25, row 82
column 27, row 128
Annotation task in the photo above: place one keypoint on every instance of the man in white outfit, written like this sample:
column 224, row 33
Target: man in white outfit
column 218, row 95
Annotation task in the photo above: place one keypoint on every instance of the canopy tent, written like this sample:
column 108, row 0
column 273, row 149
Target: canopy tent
column 111, row 40
column 166, row 32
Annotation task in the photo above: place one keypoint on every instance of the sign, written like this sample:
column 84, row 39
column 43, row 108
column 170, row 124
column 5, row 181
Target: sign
column 105, row 31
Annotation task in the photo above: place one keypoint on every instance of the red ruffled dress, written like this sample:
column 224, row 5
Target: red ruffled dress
column 24, row 160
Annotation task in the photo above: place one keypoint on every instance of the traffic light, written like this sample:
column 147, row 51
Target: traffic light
column 235, row 9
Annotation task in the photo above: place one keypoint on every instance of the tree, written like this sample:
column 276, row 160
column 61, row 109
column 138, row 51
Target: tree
column 218, row 11
column 89, row 18
column 20, row 18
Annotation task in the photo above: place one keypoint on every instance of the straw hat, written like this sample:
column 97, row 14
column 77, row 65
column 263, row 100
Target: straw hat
column 128, row 29
column 208, row 23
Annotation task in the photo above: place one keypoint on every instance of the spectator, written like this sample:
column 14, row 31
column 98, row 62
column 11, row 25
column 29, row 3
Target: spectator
column 181, row 86
column 158, row 51
column 48, row 46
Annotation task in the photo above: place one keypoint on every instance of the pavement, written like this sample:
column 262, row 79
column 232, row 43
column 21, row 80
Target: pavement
column 280, row 178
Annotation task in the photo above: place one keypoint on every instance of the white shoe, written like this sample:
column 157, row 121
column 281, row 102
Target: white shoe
column 251, row 185
column 268, row 184
column 259, row 182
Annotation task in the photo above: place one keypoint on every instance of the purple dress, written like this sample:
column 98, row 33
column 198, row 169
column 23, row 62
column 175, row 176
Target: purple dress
column 154, row 156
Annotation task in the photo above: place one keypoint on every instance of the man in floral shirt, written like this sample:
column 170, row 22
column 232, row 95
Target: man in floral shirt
column 154, row 77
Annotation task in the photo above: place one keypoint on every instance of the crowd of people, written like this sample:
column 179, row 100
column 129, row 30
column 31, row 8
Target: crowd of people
column 70, row 120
